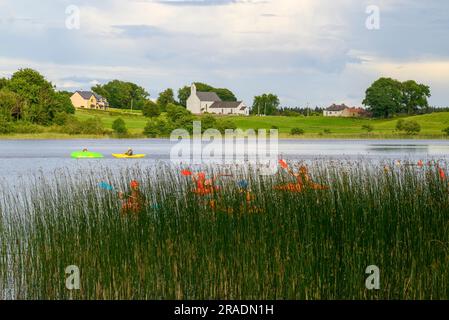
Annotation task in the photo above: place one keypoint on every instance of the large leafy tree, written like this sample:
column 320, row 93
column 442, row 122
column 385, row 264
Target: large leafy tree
column 223, row 93
column 11, row 105
column 387, row 97
column 179, row 117
column 165, row 98
column 41, row 101
column 384, row 97
column 414, row 96
column 174, row 113
column 3, row 83
column 123, row 95
column 151, row 109
column 266, row 104
column 183, row 95
column 62, row 103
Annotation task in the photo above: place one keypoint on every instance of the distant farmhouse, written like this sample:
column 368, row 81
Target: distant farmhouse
column 89, row 100
column 344, row 111
column 210, row 102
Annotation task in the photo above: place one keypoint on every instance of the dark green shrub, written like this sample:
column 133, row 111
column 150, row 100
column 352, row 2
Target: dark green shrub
column 174, row 112
column 157, row 128
column 410, row 127
column 446, row 131
column 5, row 126
column 208, row 122
column 151, row 109
column 92, row 126
column 26, row 127
column 223, row 125
column 297, row 132
column 60, row 118
column 368, row 127
column 119, row 126
column 400, row 125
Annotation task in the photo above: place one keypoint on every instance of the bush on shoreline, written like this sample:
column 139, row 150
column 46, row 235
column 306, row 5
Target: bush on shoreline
column 297, row 132
column 92, row 126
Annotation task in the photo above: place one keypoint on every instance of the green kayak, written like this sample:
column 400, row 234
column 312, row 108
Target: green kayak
column 86, row 155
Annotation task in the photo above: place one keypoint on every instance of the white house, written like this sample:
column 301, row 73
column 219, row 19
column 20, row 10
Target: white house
column 335, row 110
column 209, row 102
column 345, row 111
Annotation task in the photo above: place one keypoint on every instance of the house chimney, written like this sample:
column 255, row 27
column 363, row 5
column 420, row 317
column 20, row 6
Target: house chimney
column 193, row 89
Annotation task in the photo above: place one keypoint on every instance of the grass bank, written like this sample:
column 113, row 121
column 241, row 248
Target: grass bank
column 314, row 127
column 281, row 245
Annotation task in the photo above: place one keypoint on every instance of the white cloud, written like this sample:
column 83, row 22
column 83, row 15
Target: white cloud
column 304, row 50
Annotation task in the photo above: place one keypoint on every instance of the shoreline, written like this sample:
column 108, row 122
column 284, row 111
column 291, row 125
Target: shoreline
column 57, row 136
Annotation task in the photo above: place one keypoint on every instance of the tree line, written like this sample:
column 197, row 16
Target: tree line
column 28, row 96
column 28, row 100
column 127, row 95
column 389, row 97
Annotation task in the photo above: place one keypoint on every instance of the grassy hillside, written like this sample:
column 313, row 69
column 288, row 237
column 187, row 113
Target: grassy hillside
column 135, row 122
column 314, row 127
column 431, row 124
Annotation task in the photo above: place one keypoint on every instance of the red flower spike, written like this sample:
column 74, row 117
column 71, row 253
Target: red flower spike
column 283, row 164
column 186, row 173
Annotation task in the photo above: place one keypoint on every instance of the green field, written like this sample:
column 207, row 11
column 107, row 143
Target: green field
column 314, row 126
column 431, row 124
column 135, row 122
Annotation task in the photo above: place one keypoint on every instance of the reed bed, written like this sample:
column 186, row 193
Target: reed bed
column 310, row 245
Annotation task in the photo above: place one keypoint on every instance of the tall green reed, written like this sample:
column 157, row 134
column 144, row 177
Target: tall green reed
column 282, row 245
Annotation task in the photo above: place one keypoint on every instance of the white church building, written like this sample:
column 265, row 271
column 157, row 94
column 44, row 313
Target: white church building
column 209, row 102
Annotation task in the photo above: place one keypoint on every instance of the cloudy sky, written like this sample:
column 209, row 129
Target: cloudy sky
column 312, row 52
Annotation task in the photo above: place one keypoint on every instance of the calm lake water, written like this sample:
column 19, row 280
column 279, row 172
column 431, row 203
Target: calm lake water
column 22, row 158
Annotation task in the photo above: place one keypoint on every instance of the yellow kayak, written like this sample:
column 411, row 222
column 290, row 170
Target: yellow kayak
column 125, row 156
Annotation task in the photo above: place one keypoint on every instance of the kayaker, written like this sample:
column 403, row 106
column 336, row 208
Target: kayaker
column 130, row 152
column 132, row 203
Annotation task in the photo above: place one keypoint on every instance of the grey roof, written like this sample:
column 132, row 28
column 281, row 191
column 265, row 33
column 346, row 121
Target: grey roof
column 225, row 104
column 99, row 97
column 85, row 94
column 208, row 96
column 335, row 107
column 88, row 94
